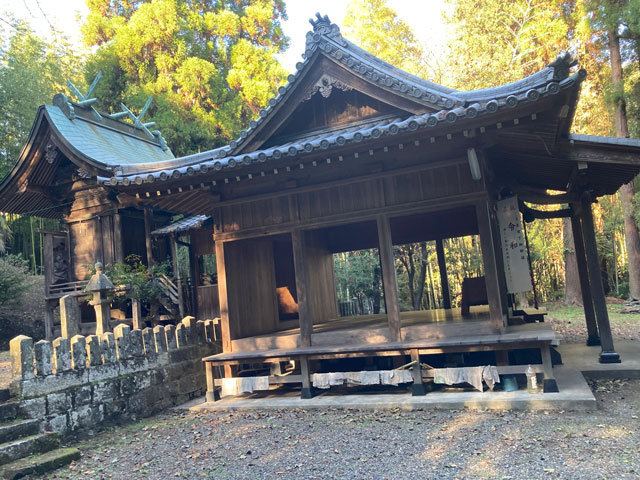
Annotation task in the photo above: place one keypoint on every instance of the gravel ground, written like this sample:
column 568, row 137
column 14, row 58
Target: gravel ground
column 362, row 444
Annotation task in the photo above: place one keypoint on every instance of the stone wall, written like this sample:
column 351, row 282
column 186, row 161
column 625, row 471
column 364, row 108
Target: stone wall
column 78, row 383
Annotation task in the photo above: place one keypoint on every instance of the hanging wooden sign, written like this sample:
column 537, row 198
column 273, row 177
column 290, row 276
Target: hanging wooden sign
column 514, row 250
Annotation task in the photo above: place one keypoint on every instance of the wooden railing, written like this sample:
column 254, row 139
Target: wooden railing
column 69, row 288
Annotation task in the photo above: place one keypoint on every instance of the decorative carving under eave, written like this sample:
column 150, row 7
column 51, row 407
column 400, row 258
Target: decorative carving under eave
column 82, row 172
column 325, row 86
column 50, row 152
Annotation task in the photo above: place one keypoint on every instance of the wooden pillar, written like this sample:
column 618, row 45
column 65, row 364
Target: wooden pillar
column 583, row 272
column 176, row 273
column 117, row 238
column 490, row 265
column 444, row 279
column 195, row 275
column 225, row 331
column 389, row 279
column 608, row 353
column 147, row 235
column 302, row 287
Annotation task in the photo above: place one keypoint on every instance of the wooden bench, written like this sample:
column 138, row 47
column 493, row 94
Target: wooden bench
column 513, row 339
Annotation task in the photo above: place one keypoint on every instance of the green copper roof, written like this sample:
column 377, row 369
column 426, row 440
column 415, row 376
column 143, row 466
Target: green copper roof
column 106, row 142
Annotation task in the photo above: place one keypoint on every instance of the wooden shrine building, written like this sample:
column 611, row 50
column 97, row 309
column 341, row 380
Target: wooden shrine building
column 351, row 154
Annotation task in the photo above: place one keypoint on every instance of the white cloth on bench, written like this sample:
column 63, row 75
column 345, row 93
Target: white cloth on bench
column 365, row 377
column 325, row 380
column 395, row 377
column 470, row 375
column 239, row 385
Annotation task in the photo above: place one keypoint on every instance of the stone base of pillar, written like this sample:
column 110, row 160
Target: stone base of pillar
column 212, row 396
column 307, row 393
column 609, row 357
column 418, row 390
column 593, row 341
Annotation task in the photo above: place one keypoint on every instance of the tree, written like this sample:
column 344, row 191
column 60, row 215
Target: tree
column 209, row 64
column 376, row 28
column 572, row 290
column 32, row 71
column 613, row 21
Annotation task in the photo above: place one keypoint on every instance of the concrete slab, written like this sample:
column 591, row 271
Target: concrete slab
column 574, row 395
column 585, row 359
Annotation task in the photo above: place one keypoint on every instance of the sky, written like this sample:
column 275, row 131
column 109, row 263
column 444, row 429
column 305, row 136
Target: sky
column 424, row 17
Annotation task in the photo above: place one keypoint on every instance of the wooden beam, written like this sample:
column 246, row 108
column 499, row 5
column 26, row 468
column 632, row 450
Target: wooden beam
column 305, row 316
column 444, row 279
column 490, row 265
column 544, row 214
column 593, row 338
column 389, row 279
column 147, row 235
column 608, row 353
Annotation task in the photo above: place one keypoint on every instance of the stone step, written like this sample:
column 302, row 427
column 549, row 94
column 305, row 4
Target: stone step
column 31, row 445
column 18, row 428
column 4, row 394
column 9, row 410
column 39, row 464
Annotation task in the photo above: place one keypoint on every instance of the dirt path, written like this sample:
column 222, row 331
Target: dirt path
column 355, row 444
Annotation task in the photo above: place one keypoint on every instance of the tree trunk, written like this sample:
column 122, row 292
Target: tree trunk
column 572, row 291
column 422, row 275
column 376, row 290
column 632, row 238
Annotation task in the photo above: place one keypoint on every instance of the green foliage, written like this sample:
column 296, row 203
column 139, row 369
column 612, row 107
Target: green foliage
column 354, row 274
column 376, row 28
column 210, row 65
column 31, row 72
column 139, row 281
column 15, row 280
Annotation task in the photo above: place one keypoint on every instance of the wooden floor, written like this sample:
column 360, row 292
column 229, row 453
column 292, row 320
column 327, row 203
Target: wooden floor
column 368, row 329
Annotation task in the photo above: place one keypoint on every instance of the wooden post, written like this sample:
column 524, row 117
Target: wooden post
column 307, row 391
column 490, row 264
column 608, row 353
column 444, row 279
column 136, row 314
column 49, row 305
column 549, row 384
column 212, row 394
column 302, row 287
column 389, row 279
column 147, row 235
column 117, row 238
column 583, row 272
column 195, row 275
column 417, row 389
column 176, row 273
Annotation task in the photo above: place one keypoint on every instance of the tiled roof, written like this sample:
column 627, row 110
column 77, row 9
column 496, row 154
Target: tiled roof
column 182, row 225
column 220, row 159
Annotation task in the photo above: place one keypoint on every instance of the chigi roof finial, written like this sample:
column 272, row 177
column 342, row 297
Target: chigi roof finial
column 86, row 100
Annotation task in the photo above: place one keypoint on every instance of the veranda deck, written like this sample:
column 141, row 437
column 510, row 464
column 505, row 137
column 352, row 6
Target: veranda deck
column 529, row 336
column 370, row 329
